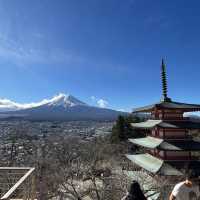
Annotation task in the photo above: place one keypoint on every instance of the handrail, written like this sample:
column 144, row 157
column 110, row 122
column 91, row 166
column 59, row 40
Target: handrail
column 19, row 182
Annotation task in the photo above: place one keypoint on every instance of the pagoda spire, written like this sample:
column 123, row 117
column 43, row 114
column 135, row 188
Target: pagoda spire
column 164, row 82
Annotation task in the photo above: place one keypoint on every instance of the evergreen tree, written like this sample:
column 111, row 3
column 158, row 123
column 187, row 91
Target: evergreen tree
column 118, row 130
column 123, row 130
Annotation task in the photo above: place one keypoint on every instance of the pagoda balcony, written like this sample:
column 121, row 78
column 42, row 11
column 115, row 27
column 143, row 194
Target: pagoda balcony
column 173, row 158
column 170, row 118
column 186, row 137
column 179, row 158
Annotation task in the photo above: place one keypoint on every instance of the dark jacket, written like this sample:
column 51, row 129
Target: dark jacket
column 135, row 192
column 130, row 197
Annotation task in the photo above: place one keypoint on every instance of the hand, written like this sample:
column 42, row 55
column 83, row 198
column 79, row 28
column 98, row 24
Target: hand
column 172, row 197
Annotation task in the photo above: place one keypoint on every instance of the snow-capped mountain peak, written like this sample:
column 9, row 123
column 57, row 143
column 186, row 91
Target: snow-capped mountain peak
column 58, row 100
column 59, row 108
column 65, row 101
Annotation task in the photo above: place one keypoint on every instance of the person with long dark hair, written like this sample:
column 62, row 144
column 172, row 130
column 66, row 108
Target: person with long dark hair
column 135, row 192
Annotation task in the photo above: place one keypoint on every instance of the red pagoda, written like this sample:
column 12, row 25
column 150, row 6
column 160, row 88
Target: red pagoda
column 169, row 146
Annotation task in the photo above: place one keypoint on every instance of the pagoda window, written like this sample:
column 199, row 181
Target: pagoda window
column 177, row 153
column 161, row 133
column 161, row 154
column 174, row 111
column 169, row 114
column 173, row 116
column 152, row 152
column 153, row 133
column 153, row 114
column 160, row 116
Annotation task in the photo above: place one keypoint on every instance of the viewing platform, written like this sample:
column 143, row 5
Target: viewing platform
column 17, row 183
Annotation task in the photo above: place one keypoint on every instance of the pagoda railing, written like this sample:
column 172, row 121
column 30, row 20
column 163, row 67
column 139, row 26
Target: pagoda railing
column 170, row 118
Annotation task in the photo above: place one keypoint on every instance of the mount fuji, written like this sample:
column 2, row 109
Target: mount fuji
column 60, row 108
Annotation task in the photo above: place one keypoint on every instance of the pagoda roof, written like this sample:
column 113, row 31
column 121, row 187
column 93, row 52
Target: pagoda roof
column 148, row 142
column 185, row 107
column 149, row 124
column 170, row 145
column 191, row 165
column 154, row 165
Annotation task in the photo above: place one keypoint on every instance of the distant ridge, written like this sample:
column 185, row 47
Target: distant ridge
column 62, row 108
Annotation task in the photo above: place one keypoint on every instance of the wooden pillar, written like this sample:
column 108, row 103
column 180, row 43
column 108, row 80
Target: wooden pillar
column 165, row 155
column 163, row 133
column 190, row 156
column 163, row 114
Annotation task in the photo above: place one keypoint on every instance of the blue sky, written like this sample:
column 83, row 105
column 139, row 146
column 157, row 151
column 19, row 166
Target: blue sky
column 107, row 49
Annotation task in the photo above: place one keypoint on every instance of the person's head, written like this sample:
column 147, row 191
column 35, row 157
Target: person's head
column 191, row 178
column 135, row 190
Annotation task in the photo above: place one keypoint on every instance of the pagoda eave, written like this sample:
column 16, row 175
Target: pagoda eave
column 149, row 124
column 147, row 142
column 172, row 105
column 192, row 165
column 171, row 145
column 154, row 165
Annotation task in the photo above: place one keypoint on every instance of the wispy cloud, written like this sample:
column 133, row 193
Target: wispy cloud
column 21, row 54
column 93, row 98
column 161, row 21
column 121, row 110
column 102, row 103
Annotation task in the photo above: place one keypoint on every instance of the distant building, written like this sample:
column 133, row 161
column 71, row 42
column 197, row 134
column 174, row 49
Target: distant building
column 169, row 146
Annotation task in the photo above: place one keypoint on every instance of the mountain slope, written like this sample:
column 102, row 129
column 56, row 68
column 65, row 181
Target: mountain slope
column 65, row 108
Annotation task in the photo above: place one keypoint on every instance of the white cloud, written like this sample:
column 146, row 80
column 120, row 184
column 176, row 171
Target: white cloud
column 6, row 104
column 121, row 110
column 99, row 102
column 124, row 110
column 102, row 103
